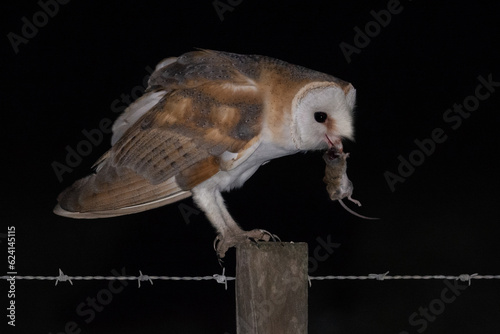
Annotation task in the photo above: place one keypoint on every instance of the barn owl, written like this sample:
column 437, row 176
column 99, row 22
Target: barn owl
column 207, row 121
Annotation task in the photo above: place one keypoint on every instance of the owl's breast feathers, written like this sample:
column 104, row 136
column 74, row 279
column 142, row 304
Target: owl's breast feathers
column 198, row 110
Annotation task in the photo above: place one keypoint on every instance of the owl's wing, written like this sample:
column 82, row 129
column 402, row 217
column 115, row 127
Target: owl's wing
column 199, row 109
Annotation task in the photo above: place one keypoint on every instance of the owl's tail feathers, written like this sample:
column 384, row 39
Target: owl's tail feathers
column 116, row 193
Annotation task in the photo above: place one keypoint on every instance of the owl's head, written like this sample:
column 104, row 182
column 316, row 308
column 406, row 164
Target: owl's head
column 322, row 115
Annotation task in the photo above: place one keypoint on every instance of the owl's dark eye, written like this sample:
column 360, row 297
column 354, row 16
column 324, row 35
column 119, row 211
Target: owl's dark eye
column 320, row 116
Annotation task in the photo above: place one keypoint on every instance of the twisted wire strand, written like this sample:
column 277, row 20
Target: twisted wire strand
column 141, row 278
column 382, row 277
column 223, row 279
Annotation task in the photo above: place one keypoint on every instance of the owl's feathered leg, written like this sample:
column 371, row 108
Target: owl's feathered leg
column 229, row 233
column 211, row 202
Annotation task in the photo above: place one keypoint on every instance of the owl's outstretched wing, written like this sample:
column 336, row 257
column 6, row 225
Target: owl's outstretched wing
column 198, row 108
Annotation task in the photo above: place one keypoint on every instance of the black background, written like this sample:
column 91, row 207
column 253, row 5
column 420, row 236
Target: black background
column 442, row 220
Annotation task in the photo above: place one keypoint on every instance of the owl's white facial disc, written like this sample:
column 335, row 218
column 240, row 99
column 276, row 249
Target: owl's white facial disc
column 322, row 115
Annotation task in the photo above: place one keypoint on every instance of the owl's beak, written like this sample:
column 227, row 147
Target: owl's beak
column 336, row 143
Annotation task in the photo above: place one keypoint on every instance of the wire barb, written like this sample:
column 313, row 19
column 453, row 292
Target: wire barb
column 62, row 277
column 143, row 278
column 467, row 277
column 378, row 277
column 222, row 279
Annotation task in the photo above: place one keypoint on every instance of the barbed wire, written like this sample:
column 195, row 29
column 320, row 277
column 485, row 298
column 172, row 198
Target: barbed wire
column 141, row 278
column 223, row 279
column 382, row 277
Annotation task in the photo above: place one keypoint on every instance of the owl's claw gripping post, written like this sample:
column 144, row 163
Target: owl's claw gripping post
column 223, row 242
column 264, row 236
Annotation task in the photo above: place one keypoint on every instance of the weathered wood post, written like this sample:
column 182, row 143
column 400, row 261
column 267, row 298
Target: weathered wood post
column 271, row 288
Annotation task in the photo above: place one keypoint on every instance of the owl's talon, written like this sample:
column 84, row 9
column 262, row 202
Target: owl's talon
column 217, row 239
column 223, row 243
column 267, row 236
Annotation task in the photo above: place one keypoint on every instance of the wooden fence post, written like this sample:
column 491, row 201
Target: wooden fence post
column 271, row 288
